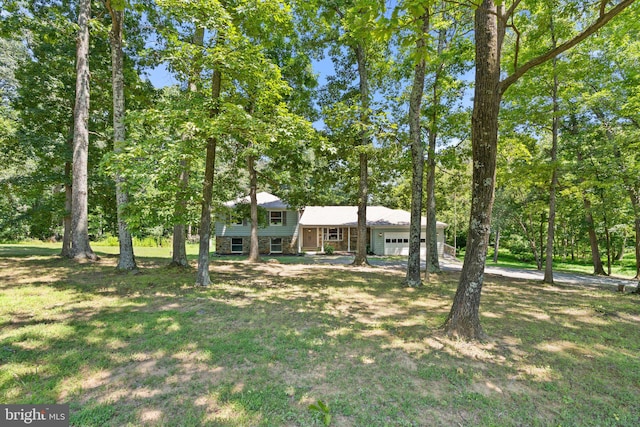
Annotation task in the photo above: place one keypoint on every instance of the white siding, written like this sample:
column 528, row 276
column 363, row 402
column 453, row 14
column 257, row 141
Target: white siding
column 378, row 237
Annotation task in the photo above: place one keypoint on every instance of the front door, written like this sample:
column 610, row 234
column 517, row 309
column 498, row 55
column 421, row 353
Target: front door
column 309, row 238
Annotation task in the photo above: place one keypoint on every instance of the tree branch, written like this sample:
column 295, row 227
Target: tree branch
column 517, row 47
column 603, row 6
column 509, row 13
column 600, row 22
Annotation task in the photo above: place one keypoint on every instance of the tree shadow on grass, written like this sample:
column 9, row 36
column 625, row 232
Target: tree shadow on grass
column 267, row 340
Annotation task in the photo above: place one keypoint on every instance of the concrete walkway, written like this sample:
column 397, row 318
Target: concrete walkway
column 452, row 264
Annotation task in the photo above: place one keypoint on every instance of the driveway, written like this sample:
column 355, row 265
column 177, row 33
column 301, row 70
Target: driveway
column 452, row 264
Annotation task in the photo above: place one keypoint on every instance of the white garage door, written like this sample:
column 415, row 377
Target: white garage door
column 398, row 244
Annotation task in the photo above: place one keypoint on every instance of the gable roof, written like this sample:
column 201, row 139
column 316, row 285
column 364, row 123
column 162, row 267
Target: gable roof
column 342, row 216
column 347, row 216
column 265, row 200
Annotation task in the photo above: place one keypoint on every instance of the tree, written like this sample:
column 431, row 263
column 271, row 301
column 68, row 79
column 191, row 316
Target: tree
column 491, row 22
column 80, row 247
column 555, row 121
column 126, row 260
column 417, row 150
column 349, row 29
column 179, row 252
column 202, row 278
column 427, row 37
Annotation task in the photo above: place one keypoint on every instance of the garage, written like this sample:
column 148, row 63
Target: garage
column 397, row 243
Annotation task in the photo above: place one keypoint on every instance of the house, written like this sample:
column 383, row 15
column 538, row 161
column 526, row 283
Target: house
column 314, row 227
column 233, row 232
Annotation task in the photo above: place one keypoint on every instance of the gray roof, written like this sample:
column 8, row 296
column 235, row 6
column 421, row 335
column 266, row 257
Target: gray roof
column 265, row 200
column 348, row 216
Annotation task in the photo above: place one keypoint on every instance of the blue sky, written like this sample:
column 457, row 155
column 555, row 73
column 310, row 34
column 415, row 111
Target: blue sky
column 161, row 77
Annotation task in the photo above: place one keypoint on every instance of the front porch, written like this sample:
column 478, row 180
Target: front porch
column 341, row 239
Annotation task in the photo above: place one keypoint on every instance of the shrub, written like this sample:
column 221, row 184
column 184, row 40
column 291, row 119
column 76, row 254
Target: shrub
column 107, row 240
column 328, row 249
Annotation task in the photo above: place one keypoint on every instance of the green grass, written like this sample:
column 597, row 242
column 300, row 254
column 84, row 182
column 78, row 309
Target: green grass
column 265, row 341
column 623, row 268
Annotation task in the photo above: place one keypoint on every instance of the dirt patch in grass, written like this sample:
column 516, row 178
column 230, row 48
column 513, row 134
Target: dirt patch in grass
column 266, row 340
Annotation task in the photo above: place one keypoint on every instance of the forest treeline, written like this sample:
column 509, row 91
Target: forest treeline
column 517, row 123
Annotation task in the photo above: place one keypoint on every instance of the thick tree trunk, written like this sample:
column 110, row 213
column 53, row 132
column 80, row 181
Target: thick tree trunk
column 254, row 244
column 202, row 278
column 127, row 260
column 417, row 160
column 363, row 184
column 80, row 247
column 463, row 319
column 178, row 247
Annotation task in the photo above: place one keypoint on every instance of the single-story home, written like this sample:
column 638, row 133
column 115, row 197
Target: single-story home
column 289, row 231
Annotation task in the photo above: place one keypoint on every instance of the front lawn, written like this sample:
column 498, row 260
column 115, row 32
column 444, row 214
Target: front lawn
column 266, row 341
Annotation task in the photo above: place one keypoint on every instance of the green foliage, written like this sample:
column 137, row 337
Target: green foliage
column 35, row 143
column 323, row 410
column 242, row 212
column 328, row 249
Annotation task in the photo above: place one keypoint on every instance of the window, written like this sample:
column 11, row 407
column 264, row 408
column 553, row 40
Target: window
column 236, row 245
column 276, row 245
column 332, row 234
column 276, row 218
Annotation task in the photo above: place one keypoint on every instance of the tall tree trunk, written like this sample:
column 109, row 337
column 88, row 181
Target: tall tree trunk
column 417, row 159
column 80, row 247
column 127, row 260
column 68, row 197
column 463, row 319
column 202, row 278
column 363, row 185
column 254, row 246
column 433, row 263
column 555, row 122
column 496, row 246
column 179, row 252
